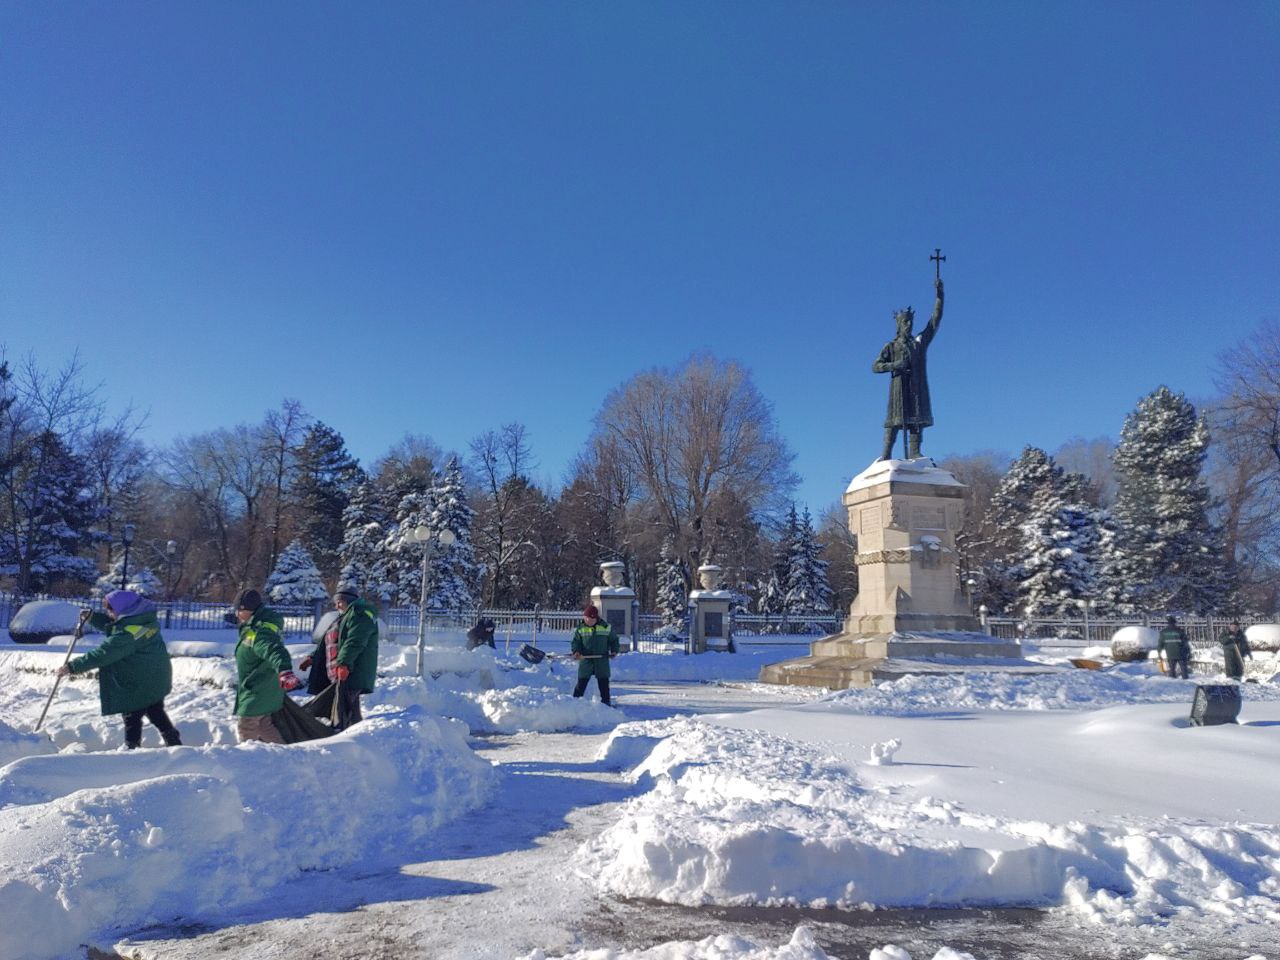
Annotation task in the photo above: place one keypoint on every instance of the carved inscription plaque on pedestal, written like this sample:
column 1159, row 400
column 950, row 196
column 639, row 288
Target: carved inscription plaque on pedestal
column 928, row 518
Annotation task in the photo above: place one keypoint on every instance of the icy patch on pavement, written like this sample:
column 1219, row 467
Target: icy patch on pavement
column 801, row 947
column 96, row 843
column 744, row 816
column 1067, row 689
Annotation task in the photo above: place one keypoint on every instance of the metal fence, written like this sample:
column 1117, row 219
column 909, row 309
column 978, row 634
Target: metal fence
column 1202, row 631
column 538, row 626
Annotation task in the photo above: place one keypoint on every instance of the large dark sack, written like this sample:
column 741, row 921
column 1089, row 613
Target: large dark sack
column 328, row 707
column 296, row 724
column 318, row 678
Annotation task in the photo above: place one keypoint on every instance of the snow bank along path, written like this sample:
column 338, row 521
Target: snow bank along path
column 101, row 842
column 773, row 808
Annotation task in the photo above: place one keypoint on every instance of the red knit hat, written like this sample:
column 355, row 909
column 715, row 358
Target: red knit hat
column 591, row 611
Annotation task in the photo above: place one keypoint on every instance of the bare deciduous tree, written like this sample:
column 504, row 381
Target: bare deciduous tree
column 506, row 510
column 282, row 431
column 692, row 436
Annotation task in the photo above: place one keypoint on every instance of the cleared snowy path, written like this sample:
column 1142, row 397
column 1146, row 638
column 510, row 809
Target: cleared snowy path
column 500, row 884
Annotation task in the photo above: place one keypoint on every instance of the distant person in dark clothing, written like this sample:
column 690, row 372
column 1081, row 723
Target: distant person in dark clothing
column 1176, row 649
column 134, row 672
column 1235, row 648
column 481, row 634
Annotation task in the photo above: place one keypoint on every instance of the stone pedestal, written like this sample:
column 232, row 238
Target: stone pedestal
column 910, row 616
column 905, row 514
column 615, row 602
column 709, row 628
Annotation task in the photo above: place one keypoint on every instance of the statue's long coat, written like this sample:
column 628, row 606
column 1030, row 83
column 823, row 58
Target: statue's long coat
column 909, row 404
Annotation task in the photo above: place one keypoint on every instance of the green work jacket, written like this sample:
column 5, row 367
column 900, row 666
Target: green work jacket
column 1235, row 639
column 1174, row 644
column 599, row 641
column 358, row 644
column 132, row 663
column 260, row 659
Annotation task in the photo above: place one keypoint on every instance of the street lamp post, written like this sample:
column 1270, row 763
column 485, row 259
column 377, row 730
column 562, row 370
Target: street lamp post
column 1085, row 607
column 422, row 533
column 170, row 549
column 126, row 536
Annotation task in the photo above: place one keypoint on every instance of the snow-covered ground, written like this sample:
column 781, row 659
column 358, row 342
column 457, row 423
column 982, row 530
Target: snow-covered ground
column 482, row 812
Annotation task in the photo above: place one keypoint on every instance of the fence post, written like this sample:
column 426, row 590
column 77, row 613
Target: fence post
column 635, row 625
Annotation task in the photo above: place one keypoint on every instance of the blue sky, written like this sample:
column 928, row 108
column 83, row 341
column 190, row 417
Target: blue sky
column 440, row 217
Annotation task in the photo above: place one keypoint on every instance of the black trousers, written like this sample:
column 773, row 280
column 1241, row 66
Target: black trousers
column 159, row 719
column 601, row 682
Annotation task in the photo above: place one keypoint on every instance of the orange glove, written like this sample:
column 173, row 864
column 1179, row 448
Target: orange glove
column 289, row 680
column 341, row 672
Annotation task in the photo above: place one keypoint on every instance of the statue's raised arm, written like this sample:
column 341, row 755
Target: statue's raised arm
column 936, row 318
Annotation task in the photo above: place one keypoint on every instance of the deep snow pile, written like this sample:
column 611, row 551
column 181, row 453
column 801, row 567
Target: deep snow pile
column 490, row 693
column 787, row 806
column 102, row 842
column 15, row 744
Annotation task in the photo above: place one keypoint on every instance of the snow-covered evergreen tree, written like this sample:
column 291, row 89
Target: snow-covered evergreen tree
column 295, row 578
column 672, row 598
column 1043, row 548
column 362, row 551
column 48, row 511
column 403, row 550
column 1060, row 545
column 455, row 574
column 773, row 591
column 324, row 478
column 1168, row 552
column 1111, row 590
column 806, row 590
column 142, row 581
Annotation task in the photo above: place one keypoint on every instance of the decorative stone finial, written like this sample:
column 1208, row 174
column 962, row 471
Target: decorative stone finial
column 611, row 571
column 709, row 576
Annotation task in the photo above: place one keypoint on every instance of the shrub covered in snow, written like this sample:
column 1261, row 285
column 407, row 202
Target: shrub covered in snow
column 1133, row 643
column 40, row 620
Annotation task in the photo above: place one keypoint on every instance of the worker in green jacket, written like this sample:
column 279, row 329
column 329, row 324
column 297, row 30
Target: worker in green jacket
column 594, row 644
column 1235, row 648
column 1176, row 648
column 354, row 665
column 134, row 672
column 264, row 669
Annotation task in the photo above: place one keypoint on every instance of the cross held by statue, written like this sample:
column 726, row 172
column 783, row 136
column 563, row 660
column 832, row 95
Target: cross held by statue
column 937, row 259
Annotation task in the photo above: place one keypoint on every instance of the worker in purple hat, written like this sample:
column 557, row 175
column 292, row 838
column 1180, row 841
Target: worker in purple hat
column 134, row 672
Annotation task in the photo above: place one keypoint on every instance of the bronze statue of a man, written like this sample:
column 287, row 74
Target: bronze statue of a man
column 903, row 358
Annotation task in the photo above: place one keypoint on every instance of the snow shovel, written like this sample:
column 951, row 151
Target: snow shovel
column 532, row 654
column 57, row 680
